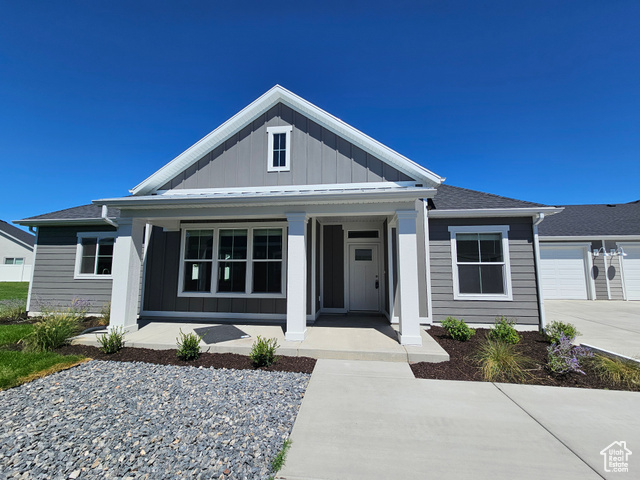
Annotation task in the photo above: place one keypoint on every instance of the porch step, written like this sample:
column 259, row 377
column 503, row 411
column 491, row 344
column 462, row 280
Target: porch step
column 324, row 341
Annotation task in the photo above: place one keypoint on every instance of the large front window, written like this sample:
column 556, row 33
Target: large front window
column 246, row 261
column 480, row 257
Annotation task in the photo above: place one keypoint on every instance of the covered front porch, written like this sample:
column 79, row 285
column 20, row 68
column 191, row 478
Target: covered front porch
column 341, row 337
column 288, row 259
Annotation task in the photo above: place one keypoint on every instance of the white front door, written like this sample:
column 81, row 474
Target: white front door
column 364, row 278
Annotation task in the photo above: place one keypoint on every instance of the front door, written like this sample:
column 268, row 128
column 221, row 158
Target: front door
column 364, row 279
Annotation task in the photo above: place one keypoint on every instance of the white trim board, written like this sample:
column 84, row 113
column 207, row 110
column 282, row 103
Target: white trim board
column 276, row 95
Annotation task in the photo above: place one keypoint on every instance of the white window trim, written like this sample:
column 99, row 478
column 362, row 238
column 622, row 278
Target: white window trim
column 99, row 235
column 250, row 227
column 275, row 130
column 503, row 230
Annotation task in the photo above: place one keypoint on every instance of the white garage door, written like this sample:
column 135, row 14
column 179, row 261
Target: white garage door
column 563, row 272
column 631, row 268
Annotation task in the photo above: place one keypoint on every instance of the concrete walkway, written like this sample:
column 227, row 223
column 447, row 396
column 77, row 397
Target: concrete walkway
column 610, row 325
column 374, row 420
column 334, row 337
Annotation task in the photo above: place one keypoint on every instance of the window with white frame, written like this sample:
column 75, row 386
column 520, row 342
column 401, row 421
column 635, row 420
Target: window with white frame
column 13, row 261
column 246, row 261
column 279, row 149
column 480, row 262
column 94, row 254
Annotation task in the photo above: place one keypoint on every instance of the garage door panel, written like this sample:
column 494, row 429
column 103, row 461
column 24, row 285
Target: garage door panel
column 631, row 270
column 563, row 273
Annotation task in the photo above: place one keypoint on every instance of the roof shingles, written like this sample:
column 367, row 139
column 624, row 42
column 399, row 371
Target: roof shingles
column 593, row 220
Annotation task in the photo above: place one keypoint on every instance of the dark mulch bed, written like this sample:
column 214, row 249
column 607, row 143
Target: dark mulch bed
column 168, row 357
column 463, row 366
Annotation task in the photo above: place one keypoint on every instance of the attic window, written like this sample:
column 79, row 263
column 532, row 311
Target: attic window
column 279, row 150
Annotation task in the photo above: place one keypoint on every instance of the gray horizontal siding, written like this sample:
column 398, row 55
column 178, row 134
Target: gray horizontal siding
column 161, row 284
column 317, row 156
column 523, row 308
column 53, row 282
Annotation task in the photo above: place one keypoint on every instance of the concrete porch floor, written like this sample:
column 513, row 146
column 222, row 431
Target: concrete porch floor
column 351, row 337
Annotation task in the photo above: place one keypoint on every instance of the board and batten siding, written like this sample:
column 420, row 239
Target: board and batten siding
column 318, row 156
column 599, row 272
column 53, row 277
column 523, row 308
column 161, row 284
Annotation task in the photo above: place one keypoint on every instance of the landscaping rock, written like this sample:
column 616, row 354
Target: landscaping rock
column 139, row 420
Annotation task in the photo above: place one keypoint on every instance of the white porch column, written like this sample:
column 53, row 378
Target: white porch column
column 127, row 258
column 296, row 277
column 408, row 278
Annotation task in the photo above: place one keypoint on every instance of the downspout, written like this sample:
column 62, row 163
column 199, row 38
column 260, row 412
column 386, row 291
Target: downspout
column 106, row 218
column 536, row 253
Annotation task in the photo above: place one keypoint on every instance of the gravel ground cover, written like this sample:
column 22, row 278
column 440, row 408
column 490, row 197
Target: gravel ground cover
column 139, row 420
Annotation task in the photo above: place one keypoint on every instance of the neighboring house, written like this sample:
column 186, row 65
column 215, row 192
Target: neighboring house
column 592, row 252
column 16, row 253
column 283, row 213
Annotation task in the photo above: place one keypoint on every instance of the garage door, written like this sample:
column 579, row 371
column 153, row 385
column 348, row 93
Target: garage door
column 563, row 273
column 631, row 269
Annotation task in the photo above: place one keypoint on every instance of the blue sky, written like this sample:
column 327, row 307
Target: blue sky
column 534, row 100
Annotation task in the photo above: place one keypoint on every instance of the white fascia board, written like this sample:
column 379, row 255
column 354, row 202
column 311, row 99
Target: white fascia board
column 586, row 238
column 297, row 198
column 63, row 222
column 278, row 189
column 494, row 212
column 248, row 114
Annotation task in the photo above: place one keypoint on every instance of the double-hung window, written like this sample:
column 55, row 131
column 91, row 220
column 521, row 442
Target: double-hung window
column 198, row 260
column 246, row 261
column 279, row 149
column 94, row 255
column 480, row 262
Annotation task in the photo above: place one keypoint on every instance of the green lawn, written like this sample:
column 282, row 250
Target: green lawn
column 14, row 333
column 18, row 367
column 11, row 290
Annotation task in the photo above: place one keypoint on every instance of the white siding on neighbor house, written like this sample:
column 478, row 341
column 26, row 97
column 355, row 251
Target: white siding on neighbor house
column 563, row 272
column 10, row 248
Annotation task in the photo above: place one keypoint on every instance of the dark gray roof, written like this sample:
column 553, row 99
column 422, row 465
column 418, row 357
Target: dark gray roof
column 15, row 232
column 593, row 220
column 83, row 212
column 457, row 198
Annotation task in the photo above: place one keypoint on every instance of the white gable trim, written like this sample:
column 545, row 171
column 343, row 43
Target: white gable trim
column 247, row 115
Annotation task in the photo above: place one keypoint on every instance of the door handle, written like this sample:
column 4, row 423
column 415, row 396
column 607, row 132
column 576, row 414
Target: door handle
column 377, row 284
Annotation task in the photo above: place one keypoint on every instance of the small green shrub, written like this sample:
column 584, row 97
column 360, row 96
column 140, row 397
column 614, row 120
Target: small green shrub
column 105, row 314
column 457, row 329
column 556, row 329
column 51, row 332
column 188, row 346
column 113, row 341
column 501, row 362
column 503, row 330
column 263, row 351
column 621, row 372
column 13, row 309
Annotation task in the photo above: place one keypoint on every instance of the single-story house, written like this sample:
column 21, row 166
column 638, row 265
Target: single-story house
column 16, row 253
column 592, row 252
column 283, row 213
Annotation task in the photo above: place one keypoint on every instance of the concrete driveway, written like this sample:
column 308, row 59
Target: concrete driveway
column 610, row 325
column 374, row 420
